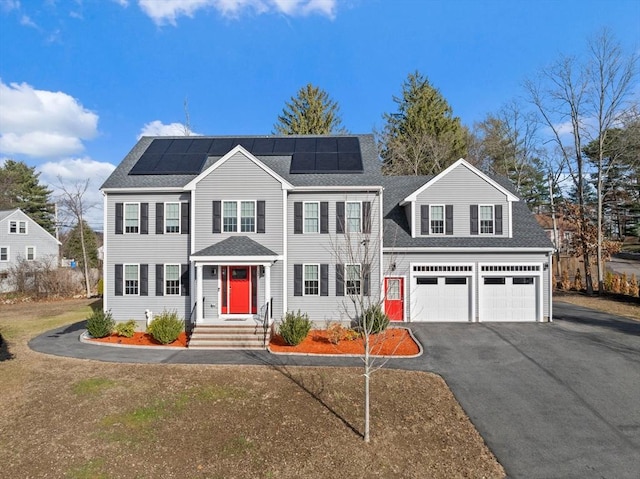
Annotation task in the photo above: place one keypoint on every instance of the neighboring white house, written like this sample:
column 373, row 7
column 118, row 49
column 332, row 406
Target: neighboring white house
column 21, row 238
column 244, row 229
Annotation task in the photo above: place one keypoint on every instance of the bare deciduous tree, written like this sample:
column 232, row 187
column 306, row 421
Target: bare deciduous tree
column 72, row 202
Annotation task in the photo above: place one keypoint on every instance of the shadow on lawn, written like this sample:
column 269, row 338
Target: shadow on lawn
column 5, row 355
column 578, row 315
column 314, row 390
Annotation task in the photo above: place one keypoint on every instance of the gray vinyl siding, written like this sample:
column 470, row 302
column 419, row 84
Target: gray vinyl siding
column 46, row 246
column 240, row 179
column 403, row 262
column 461, row 188
column 151, row 249
column 328, row 248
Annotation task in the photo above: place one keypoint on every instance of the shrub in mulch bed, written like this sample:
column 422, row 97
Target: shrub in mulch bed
column 392, row 342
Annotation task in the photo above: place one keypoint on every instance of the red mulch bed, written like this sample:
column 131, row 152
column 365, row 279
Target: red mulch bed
column 392, row 342
column 142, row 339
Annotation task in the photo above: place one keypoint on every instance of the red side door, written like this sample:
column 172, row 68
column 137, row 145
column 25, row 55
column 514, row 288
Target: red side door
column 394, row 298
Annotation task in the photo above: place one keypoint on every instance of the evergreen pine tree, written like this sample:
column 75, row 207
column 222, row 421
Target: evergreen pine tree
column 310, row 112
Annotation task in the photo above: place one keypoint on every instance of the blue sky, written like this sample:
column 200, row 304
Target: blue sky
column 81, row 80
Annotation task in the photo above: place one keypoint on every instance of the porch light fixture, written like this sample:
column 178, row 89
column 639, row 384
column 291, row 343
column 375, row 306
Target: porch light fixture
column 545, row 266
column 214, row 271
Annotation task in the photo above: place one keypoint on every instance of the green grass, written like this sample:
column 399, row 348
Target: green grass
column 92, row 469
column 92, row 386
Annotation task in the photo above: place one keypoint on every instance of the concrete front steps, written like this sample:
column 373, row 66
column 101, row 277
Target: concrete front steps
column 232, row 336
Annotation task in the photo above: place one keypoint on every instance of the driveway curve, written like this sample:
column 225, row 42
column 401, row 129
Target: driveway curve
column 552, row 400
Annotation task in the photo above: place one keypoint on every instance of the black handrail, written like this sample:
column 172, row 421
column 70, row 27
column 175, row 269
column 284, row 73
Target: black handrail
column 265, row 325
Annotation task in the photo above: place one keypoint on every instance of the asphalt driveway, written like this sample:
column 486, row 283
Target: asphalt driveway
column 552, row 400
column 558, row 400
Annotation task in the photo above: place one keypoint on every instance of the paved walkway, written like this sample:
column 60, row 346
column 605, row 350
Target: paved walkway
column 552, row 400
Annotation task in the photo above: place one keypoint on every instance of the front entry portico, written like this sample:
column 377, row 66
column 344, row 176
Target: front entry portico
column 231, row 286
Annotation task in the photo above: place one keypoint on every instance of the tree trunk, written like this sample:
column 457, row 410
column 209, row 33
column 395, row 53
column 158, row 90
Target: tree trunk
column 85, row 260
column 367, row 374
column 599, row 251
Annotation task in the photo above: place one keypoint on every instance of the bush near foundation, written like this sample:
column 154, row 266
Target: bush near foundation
column 166, row 327
column 294, row 327
column 100, row 324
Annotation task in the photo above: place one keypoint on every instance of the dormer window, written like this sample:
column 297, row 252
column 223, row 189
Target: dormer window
column 437, row 219
column 486, row 219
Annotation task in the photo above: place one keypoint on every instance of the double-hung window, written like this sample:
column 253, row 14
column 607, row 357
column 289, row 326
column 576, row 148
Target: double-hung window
column 245, row 210
column 354, row 217
column 172, row 280
column 4, row 253
column 311, row 280
column 131, row 218
column 486, row 219
column 18, row 227
column 131, row 279
column 353, row 279
column 31, row 253
column 311, row 217
column 437, row 219
column 172, row 217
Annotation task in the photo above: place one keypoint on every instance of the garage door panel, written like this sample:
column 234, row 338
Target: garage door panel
column 441, row 299
column 508, row 298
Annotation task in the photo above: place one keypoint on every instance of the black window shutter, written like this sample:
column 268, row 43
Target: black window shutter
column 261, row 220
column 324, row 217
column 118, row 280
column 474, row 219
column 184, row 218
column 119, row 218
column 159, row 280
column 184, row 280
column 144, row 218
column 144, row 280
column 217, row 216
column 424, row 219
column 297, row 217
column 448, row 214
column 498, row 219
column 366, row 217
column 324, row 280
column 339, row 280
column 159, row 218
column 297, row 280
column 340, row 217
column 366, row 279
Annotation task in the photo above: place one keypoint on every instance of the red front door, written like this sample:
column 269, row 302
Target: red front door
column 239, row 290
column 394, row 298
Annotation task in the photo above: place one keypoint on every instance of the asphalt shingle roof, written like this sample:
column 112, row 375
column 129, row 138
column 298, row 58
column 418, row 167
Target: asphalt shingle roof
column 236, row 246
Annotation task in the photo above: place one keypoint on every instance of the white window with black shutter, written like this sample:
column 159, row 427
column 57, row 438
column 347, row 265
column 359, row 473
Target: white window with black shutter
column 310, row 217
column 353, row 217
column 310, row 279
column 353, row 279
column 172, row 280
column 172, row 218
column 486, row 219
column 246, row 216
column 131, row 279
column 132, row 218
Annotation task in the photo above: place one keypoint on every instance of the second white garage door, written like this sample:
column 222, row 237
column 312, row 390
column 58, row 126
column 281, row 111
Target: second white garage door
column 508, row 298
column 441, row 298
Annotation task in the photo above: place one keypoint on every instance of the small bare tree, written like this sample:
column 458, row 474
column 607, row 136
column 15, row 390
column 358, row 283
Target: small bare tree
column 72, row 202
column 358, row 255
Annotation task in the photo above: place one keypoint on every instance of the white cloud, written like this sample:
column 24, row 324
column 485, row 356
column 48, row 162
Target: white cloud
column 8, row 5
column 42, row 123
column 167, row 11
column 157, row 128
column 73, row 171
column 27, row 22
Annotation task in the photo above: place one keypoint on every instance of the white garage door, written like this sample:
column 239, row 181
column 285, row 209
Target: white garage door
column 441, row 298
column 508, row 298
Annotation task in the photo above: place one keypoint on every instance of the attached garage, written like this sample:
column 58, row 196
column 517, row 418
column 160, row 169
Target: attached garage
column 510, row 293
column 441, row 293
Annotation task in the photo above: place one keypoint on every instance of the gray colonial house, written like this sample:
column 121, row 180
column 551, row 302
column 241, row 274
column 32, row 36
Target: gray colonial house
column 236, row 231
column 21, row 238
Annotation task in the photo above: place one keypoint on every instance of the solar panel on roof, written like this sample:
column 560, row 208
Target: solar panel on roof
column 350, row 161
column 303, row 162
column 145, row 165
column 326, row 162
column 348, row 144
column 200, row 145
column 284, row 146
column 221, row 146
column 305, row 144
column 326, row 145
column 263, row 146
column 179, row 146
column 158, row 146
